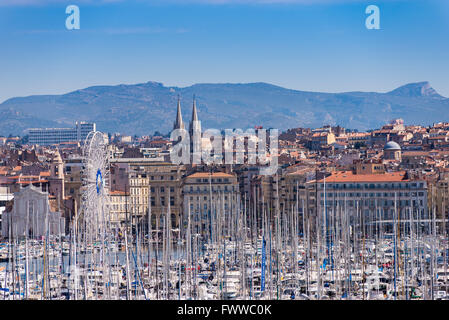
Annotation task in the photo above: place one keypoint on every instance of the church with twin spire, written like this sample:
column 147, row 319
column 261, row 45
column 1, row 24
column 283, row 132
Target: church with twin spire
column 194, row 128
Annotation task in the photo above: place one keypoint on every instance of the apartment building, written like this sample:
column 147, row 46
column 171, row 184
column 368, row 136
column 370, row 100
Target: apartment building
column 147, row 181
column 206, row 193
column 321, row 139
column 118, row 209
column 375, row 196
column 48, row 136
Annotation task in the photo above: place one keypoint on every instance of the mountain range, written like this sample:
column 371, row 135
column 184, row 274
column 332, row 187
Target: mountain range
column 148, row 107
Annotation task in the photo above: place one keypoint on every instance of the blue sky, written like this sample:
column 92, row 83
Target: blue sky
column 299, row 44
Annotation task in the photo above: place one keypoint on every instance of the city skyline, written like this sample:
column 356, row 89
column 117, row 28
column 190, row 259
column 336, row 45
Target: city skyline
column 220, row 150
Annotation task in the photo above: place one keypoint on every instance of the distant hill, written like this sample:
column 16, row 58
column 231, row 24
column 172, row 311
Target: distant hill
column 147, row 107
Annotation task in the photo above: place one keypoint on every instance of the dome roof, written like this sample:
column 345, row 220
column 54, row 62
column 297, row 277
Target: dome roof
column 391, row 145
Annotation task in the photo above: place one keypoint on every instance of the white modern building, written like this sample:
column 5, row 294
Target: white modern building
column 47, row 136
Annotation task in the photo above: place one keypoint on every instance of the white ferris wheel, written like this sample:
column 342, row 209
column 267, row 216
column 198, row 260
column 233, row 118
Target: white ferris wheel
column 96, row 187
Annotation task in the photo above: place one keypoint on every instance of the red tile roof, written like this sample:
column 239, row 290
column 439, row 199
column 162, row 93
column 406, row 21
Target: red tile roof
column 118, row 193
column 207, row 175
column 349, row 176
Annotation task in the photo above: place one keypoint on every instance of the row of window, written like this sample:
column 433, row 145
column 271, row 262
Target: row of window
column 162, row 178
column 161, row 201
column 413, row 185
column 213, row 180
column 207, row 198
column 205, row 206
column 139, row 182
column 144, row 191
column 373, row 203
column 213, row 188
column 371, row 195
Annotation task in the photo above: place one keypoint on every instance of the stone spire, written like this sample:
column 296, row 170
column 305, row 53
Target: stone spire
column 195, row 135
column 178, row 123
column 195, row 124
column 194, row 114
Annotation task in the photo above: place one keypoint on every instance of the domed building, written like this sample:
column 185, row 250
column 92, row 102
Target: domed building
column 392, row 151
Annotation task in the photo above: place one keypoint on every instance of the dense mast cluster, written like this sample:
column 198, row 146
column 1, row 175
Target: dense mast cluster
column 347, row 216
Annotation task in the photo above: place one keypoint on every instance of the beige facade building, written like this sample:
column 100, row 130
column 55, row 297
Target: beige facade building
column 118, row 208
column 73, row 178
column 158, row 183
column 369, row 167
column 295, row 190
column 322, row 139
column 438, row 198
column 206, row 193
column 56, row 178
column 375, row 196
column 359, row 137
